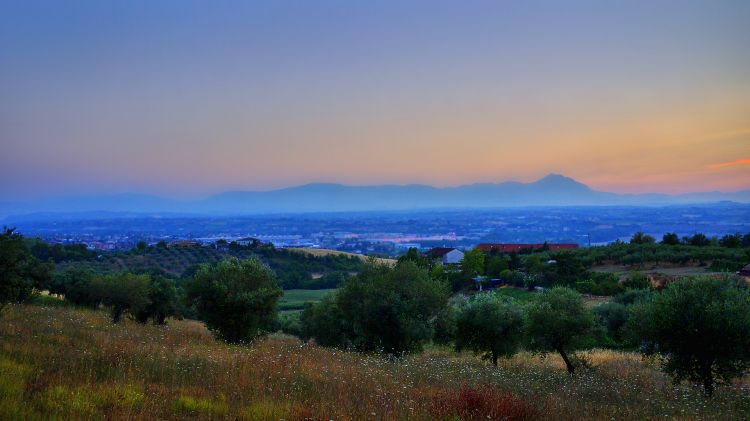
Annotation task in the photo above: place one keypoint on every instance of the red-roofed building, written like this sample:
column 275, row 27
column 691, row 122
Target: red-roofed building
column 509, row 248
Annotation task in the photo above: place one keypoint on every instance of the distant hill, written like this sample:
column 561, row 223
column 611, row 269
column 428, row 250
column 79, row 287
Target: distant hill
column 552, row 190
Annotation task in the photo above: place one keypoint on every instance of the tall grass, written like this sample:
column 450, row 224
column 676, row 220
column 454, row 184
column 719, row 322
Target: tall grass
column 64, row 363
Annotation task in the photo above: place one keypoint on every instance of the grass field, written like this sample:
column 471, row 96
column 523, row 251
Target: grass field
column 63, row 363
column 295, row 299
column 325, row 252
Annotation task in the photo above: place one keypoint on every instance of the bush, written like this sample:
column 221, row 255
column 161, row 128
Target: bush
column 636, row 280
column 236, row 298
column 490, row 325
column 700, row 328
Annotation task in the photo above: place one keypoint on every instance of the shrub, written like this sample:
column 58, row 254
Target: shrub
column 636, row 280
column 236, row 298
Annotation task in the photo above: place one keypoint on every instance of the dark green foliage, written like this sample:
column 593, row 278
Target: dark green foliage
column 163, row 297
column 490, row 325
column 123, row 293
column 567, row 270
column 390, row 310
column 633, row 296
column 290, row 324
column 59, row 252
column 636, row 280
column 731, row 241
column 327, row 281
column 600, row 284
column 77, row 287
column 698, row 240
column 20, row 272
column 236, row 298
column 641, row 238
column 557, row 321
column 700, row 328
column 413, row 255
column 670, row 239
column 613, row 316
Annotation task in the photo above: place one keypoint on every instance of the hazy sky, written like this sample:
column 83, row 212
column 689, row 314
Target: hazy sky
column 191, row 97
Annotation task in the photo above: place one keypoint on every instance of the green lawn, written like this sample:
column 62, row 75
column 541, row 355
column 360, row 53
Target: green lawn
column 295, row 299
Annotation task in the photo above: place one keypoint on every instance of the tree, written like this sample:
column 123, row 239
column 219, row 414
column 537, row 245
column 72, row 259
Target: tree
column 20, row 272
column 490, row 325
column 123, row 293
column 386, row 309
column 236, row 298
column 141, row 246
column 641, row 238
column 162, row 294
column 670, row 239
column 731, row 241
column 472, row 263
column 699, row 240
column 700, row 329
column 413, row 255
column 557, row 321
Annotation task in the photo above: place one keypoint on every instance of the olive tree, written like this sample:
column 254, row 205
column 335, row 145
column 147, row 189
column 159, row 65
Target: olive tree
column 558, row 321
column 386, row 309
column 235, row 298
column 490, row 325
column 699, row 328
column 123, row 293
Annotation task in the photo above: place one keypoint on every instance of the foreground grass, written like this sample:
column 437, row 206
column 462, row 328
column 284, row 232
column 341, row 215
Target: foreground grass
column 63, row 363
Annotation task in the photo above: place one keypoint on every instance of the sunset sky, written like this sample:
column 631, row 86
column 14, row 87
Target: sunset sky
column 195, row 97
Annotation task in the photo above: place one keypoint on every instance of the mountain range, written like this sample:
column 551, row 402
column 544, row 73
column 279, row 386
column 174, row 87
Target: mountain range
column 551, row 190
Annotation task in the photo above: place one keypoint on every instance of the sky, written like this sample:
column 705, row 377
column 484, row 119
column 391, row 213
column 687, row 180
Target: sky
column 196, row 97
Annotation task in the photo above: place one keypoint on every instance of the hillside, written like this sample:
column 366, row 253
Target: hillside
column 73, row 364
column 293, row 269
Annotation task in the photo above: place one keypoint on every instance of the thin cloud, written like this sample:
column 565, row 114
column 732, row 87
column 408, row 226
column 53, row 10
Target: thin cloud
column 745, row 161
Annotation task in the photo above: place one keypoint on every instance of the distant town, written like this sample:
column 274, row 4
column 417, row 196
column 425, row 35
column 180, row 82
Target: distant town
column 389, row 233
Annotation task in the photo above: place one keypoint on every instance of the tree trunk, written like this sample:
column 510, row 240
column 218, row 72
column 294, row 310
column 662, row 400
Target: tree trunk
column 568, row 364
column 494, row 358
column 708, row 379
column 117, row 314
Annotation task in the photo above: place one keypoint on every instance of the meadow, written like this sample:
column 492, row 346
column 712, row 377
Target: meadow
column 295, row 299
column 59, row 362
